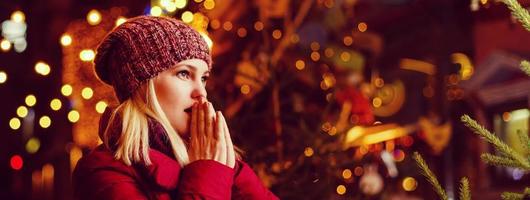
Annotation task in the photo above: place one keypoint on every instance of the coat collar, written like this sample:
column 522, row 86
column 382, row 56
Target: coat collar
column 164, row 169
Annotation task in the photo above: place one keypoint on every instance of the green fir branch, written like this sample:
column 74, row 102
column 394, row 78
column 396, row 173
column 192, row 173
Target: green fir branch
column 425, row 171
column 525, row 66
column 465, row 194
column 497, row 143
column 512, row 196
column 501, row 161
column 519, row 12
column 525, row 141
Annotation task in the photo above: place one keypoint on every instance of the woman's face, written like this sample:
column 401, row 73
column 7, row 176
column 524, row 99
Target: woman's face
column 178, row 88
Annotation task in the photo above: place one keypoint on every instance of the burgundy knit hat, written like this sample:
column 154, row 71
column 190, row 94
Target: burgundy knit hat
column 144, row 46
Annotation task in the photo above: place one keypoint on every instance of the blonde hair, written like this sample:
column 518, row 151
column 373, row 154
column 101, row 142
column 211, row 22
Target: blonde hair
column 133, row 144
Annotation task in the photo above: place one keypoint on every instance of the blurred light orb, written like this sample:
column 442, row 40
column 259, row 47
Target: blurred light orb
column 93, row 17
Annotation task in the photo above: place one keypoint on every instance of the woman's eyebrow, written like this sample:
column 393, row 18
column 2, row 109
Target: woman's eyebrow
column 192, row 68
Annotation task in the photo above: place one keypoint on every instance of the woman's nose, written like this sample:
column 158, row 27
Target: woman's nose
column 199, row 93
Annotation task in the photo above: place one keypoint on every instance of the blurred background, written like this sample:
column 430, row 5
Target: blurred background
column 328, row 98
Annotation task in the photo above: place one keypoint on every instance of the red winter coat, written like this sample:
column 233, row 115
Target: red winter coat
column 99, row 176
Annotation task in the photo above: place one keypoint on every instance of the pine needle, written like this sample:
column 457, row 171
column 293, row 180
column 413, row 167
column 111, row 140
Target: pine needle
column 430, row 176
column 512, row 196
column 519, row 12
column 497, row 143
column 465, row 194
column 501, row 161
column 525, row 66
column 525, row 141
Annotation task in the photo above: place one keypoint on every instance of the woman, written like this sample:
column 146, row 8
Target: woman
column 164, row 140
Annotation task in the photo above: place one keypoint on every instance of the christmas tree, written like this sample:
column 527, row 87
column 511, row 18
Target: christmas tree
column 507, row 156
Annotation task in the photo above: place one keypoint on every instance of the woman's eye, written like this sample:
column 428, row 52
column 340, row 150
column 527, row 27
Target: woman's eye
column 205, row 79
column 183, row 74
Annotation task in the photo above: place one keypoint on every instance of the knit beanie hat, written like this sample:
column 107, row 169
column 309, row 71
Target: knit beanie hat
column 144, row 46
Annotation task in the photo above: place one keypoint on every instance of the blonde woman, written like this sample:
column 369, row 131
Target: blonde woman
column 164, row 140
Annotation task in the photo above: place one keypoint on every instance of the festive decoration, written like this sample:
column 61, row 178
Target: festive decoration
column 371, row 182
column 437, row 136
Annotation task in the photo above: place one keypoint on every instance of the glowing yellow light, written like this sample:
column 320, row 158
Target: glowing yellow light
column 42, row 68
column 245, row 89
column 276, row 34
column 18, row 16
column 345, row 56
column 93, row 17
column 409, row 184
column 348, row 40
column 315, row 56
column 346, row 174
column 308, row 152
column 258, row 26
column 329, row 79
column 66, row 90
column 354, row 133
column 209, row 4
column 341, row 189
column 30, row 100
column 329, row 52
column 66, row 40
column 3, row 77
column 55, row 104
column 209, row 41
column 120, row 20
column 156, row 11
column 198, row 1
column 227, row 26
column 14, row 123
column 466, row 67
column 384, row 135
column 45, row 121
column 376, row 102
column 241, row 32
column 22, row 111
column 171, row 7
column 73, row 116
column 187, row 17
column 362, row 27
column 87, row 93
column 180, row 4
column 483, row 2
column 5, row 45
column 315, row 46
column 300, row 64
column 33, row 145
column 100, row 106
column 87, row 55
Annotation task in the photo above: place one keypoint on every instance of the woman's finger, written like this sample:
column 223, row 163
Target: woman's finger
column 220, row 155
column 230, row 154
column 193, row 132
column 212, row 142
column 208, row 131
column 201, row 133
